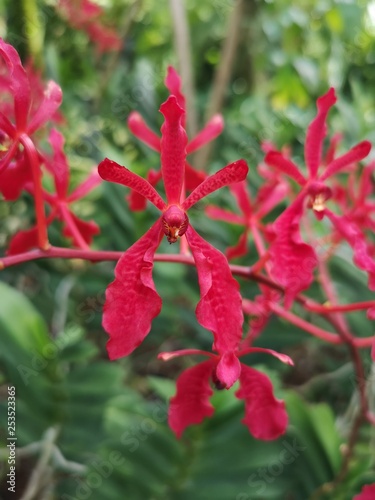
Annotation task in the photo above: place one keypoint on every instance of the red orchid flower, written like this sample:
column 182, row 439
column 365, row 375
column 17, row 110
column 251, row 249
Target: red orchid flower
column 140, row 129
column 80, row 231
column 293, row 261
column 131, row 300
column 86, row 16
column 252, row 212
column 367, row 493
column 265, row 416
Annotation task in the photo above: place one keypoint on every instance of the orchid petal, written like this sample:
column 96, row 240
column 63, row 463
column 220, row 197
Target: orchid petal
column 277, row 160
column 87, row 229
column 113, row 172
column 7, row 127
column 48, row 107
column 191, row 403
column 136, row 201
column 240, row 249
column 174, row 84
column 58, row 164
column 284, row 358
column 216, row 213
column 14, row 178
column 292, row 260
column 265, row 416
column 131, row 299
column 242, row 195
column 357, row 153
column 166, row 356
column 367, row 493
column 193, row 177
column 228, row 369
column 351, row 233
column 85, row 187
column 234, row 172
column 18, row 83
column 331, row 152
column 140, row 129
column 212, row 129
column 220, row 307
column 23, row 241
column 173, row 149
column 269, row 196
column 317, row 131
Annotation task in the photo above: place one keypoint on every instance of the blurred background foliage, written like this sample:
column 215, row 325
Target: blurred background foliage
column 90, row 428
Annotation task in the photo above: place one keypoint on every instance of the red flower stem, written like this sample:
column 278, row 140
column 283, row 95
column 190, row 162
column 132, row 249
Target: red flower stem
column 317, row 331
column 77, row 236
column 32, row 156
column 356, row 306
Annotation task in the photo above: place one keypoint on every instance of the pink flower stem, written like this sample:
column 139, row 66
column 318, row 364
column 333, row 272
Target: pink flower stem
column 32, row 156
column 77, row 236
column 323, row 309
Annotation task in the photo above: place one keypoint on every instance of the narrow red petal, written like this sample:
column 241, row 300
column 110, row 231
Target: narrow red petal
column 353, row 235
column 269, row 196
column 357, row 153
column 317, row 131
column 173, row 84
column 87, row 229
column 191, row 403
column 220, row 307
column 265, row 416
column 19, row 84
column 140, row 129
column 131, row 299
column 173, row 149
column 228, row 369
column 240, row 249
column 234, row 172
column 284, row 358
column 48, row 107
column 367, row 493
column 216, row 213
column 212, row 129
column 6, row 126
column 276, row 160
column 58, row 164
column 85, row 187
column 166, row 356
column 293, row 261
column 113, row 172
column 242, row 195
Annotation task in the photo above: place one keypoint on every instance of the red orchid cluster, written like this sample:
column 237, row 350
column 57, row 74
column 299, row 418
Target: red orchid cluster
column 288, row 252
column 86, row 16
column 23, row 162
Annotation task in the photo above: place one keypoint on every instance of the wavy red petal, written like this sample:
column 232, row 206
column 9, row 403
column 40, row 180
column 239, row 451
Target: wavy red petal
column 265, row 416
column 276, row 160
column 357, row 153
column 234, row 172
column 113, row 172
column 23, row 241
column 317, row 131
column 142, row 131
column 213, row 128
column 292, row 260
column 173, row 149
column 191, row 403
column 220, row 307
column 131, row 299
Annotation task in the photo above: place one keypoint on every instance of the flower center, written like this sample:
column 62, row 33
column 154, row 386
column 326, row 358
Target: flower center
column 175, row 223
